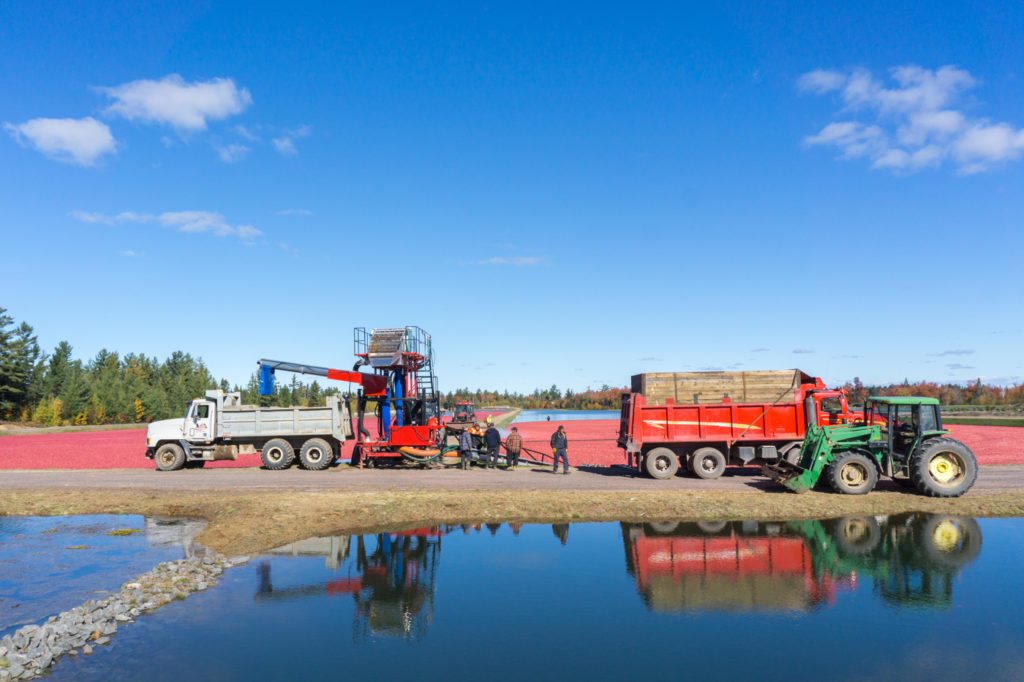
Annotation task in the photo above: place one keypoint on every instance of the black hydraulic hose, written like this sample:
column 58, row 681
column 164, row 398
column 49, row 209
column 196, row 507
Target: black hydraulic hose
column 362, row 410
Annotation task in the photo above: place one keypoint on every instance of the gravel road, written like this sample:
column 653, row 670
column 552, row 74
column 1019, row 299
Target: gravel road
column 990, row 479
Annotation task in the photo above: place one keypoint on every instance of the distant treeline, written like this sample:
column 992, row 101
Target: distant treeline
column 56, row 389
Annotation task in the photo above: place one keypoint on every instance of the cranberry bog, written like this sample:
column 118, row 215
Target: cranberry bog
column 591, row 443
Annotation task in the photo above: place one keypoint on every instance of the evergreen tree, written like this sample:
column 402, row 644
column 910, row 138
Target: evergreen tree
column 19, row 352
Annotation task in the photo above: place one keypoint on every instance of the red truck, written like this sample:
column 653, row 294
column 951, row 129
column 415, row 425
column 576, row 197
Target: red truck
column 709, row 420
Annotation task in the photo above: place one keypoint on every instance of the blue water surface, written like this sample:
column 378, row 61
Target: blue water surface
column 909, row 597
column 564, row 415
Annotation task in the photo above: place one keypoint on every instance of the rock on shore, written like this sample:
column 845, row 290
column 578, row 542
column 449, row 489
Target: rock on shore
column 31, row 650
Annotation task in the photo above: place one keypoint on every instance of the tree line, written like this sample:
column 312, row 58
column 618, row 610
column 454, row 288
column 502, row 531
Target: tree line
column 56, row 389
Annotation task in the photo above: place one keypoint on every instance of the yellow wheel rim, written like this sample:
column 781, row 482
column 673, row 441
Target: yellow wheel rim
column 855, row 530
column 853, row 474
column 945, row 469
column 947, row 536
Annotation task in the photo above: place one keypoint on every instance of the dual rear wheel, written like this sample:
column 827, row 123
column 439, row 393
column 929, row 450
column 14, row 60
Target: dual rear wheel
column 315, row 454
column 706, row 463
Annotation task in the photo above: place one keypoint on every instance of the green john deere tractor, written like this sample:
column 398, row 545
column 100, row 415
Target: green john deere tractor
column 901, row 438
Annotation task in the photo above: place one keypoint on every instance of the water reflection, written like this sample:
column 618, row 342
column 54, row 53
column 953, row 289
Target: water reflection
column 910, row 559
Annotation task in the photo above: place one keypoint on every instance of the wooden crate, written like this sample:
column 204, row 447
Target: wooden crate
column 704, row 388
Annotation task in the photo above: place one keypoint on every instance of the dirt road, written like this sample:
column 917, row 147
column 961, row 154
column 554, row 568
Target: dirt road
column 346, row 479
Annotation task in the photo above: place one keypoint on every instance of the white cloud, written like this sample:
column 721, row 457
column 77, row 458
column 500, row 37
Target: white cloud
column 821, row 81
column 174, row 102
column 286, row 143
column 232, row 152
column 72, row 140
column 519, row 261
column 247, row 133
column 295, row 211
column 802, row 351
column 183, row 221
column 130, row 254
column 206, row 221
column 913, row 124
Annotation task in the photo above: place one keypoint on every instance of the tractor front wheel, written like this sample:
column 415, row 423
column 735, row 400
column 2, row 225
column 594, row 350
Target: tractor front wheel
column 943, row 467
column 852, row 473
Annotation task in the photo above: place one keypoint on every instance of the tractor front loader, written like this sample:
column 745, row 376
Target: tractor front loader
column 901, row 438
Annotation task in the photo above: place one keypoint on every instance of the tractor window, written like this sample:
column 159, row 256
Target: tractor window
column 880, row 416
column 929, row 421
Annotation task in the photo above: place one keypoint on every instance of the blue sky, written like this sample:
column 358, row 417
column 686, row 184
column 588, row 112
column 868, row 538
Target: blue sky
column 565, row 195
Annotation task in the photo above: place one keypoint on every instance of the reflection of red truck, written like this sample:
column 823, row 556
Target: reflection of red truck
column 724, row 571
column 707, row 420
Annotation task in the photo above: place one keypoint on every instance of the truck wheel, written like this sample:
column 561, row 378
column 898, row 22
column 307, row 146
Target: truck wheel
column 708, row 463
column 195, row 464
column 169, row 457
column 277, row 454
column 316, row 454
column 943, row 467
column 951, row 541
column 852, row 473
column 857, row 534
column 661, row 463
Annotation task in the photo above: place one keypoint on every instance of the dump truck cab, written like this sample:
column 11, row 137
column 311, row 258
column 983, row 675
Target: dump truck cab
column 898, row 437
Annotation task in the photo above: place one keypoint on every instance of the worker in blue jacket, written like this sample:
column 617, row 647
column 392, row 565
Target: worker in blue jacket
column 559, row 448
column 465, row 448
column 492, row 439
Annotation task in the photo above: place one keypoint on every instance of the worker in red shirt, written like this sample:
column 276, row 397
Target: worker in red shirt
column 513, row 447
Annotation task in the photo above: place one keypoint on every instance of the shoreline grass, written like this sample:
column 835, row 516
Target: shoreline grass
column 252, row 522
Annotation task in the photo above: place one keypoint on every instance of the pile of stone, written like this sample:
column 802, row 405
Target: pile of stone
column 31, row 650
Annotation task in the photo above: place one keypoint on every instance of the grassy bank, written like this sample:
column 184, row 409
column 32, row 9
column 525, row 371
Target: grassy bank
column 254, row 521
column 19, row 430
column 984, row 421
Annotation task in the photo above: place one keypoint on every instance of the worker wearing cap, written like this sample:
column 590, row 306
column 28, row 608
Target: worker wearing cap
column 559, row 448
column 513, row 446
column 492, row 439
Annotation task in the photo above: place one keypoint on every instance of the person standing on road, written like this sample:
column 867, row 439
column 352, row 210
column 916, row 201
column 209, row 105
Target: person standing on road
column 492, row 439
column 559, row 448
column 465, row 447
column 513, row 447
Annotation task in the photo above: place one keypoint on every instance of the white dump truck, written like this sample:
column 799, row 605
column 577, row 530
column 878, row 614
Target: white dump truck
column 219, row 427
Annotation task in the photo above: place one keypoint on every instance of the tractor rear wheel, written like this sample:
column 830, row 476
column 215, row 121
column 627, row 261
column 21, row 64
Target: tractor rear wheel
column 661, row 463
column 951, row 541
column 169, row 457
column 316, row 454
column 852, row 473
column 277, row 454
column 708, row 463
column 943, row 467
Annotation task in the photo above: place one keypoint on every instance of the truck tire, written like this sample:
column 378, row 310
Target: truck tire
column 277, row 454
column 316, row 454
column 661, row 463
column 943, row 467
column 169, row 457
column 195, row 464
column 708, row 463
column 852, row 473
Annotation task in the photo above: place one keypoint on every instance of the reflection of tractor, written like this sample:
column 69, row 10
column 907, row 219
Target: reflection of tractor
column 797, row 566
column 911, row 558
column 901, row 438
column 393, row 588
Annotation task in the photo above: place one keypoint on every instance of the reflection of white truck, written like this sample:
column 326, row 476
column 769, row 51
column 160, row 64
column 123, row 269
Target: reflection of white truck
column 220, row 427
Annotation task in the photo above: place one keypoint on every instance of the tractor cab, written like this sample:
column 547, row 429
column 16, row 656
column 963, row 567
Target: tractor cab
column 463, row 412
column 904, row 422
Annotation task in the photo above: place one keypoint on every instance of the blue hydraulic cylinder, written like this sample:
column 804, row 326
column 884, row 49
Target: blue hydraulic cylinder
column 399, row 405
column 266, row 380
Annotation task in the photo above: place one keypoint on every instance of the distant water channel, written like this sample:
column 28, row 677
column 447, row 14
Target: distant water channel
column 564, row 415
column 907, row 597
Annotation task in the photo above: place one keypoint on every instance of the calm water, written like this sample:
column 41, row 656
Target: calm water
column 564, row 415
column 51, row 564
column 908, row 597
